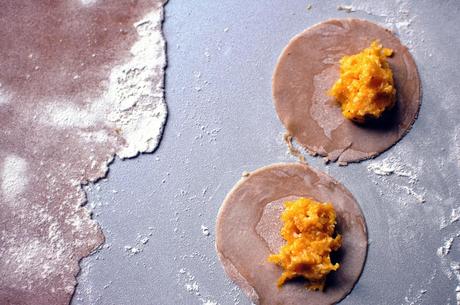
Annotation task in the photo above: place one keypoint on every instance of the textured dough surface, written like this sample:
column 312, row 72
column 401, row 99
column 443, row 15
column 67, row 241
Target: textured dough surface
column 309, row 66
column 248, row 227
column 79, row 79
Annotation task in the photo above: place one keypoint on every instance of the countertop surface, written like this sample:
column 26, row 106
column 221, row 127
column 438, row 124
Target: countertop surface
column 156, row 209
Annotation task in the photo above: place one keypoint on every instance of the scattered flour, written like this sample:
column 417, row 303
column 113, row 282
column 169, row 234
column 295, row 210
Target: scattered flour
column 346, row 8
column 14, row 177
column 28, row 258
column 455, row 215
column 88, row 2
column 4, row 97
column 189, row 282
column 445, row 249
column 414, row 296
column 141, row 241
column 204, row 230
column 450, row 267
column 35, row 253
column 192, row 286
column 132, row 250
column 455, row 267
column 68, row 115
column 395, row 16
column 393, row 166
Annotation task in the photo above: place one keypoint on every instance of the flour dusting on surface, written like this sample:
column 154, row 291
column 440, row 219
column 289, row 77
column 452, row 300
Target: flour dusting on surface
column 449, row 266
column 88, row 2
column 394, row 166
column 189, row 282
column 445, row 248
column 74, row 107
column 68, row 115
column 136, row 90
column 391, row 166
column 346, row 8
column 191, row 285
column 204, row 230
column 4, row 97
column 396, row 17
column 14, row 177
column 138, row 247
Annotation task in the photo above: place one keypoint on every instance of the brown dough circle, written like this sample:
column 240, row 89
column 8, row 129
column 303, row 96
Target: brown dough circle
column 309, row 66
column 248, row 227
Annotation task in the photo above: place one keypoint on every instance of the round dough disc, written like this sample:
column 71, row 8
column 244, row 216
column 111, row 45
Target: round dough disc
column 307, row 69
column 248, row 228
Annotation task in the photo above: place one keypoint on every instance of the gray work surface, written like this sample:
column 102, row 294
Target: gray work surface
column 222, row 122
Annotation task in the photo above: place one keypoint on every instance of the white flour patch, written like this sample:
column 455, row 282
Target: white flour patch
column 204, row 230
column 134, row 101
column 88, row 2
column 445, row 248
column 389, row 167
column 14, row 178
column 393, row 166
column 136, row 90
column 4, row 97
column 68, row 115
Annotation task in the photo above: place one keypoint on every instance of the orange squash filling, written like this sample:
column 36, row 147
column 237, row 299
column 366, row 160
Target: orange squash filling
column 309, row 233
column 365, row 88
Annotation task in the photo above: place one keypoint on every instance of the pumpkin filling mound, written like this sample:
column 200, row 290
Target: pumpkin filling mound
column 308, row 228
column 365, row 88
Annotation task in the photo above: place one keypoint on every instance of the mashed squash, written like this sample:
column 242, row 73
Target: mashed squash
column 309, row 233
column 365, row 87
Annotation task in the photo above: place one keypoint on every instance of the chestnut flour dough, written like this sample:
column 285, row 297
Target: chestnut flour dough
column 307, row 69
column 81, row 81
column 248, row 230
